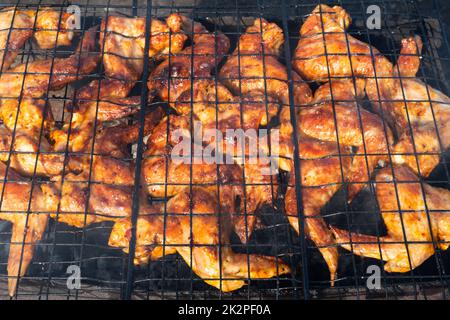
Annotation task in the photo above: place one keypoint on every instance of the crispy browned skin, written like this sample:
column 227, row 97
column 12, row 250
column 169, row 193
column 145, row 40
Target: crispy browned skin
column 205, row 249
column 122, row 40
column 351, row 126
column 254, row 67
column 51, row 74
column 172, row 77
column 107, row 195
column 323, row 168
column 15, row 29
column 166, row 176
column 412, row 120
column 26, row 207
column 326, row 50
column 52, row 27
column 18, row 25
column 407, row 250
column 95, row 148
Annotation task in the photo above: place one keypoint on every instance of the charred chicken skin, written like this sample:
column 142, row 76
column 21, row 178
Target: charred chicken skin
column 206, row 248
column 122, row 41
column 254, row 67
column 416, row 223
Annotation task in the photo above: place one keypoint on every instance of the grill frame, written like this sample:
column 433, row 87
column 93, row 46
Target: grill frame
column 304, row 285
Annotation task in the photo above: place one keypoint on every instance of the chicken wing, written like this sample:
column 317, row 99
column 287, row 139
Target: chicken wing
column 15, row 30
column 344, row 122
column 326, row 51
column 254, row 67
column 26, row 207
column 172, row 77
column 33, row 79
column 17, row 25
column 218, row 110
column 413, row 222
column 52, row 27
column 196, row 225
column 28, row 125
column 122, row 41
column 324, row 166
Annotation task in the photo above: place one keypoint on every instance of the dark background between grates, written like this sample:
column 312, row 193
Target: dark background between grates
column 106, row 272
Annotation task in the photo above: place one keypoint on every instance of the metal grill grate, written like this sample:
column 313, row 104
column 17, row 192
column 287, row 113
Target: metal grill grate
column 109, row 273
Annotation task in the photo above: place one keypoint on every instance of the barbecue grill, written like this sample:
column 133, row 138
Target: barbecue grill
column 108, row 273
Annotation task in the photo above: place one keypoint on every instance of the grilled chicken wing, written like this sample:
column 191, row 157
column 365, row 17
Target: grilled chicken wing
column 204, row 246
column 326, row 51
column 424, row 217
column 122, row 41
column 217, row 109
column 27, row 127
column 15, row 30
column 168, row 169
column 350, row 125
column 172, row 77
column 421, row 113
column 254, row 67
column 18, row 25
column 324, row 166
column 27, row 118
column 35, row 78
column 101, row 150
column 26, row 207
column 52, row 27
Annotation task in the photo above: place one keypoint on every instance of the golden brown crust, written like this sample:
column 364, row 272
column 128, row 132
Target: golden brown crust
column 25, row 206
column 254, row 67
column 122, row 41
column 38, row 79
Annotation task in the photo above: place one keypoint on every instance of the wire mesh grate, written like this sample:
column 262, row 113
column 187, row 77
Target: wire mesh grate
column 109, row 273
